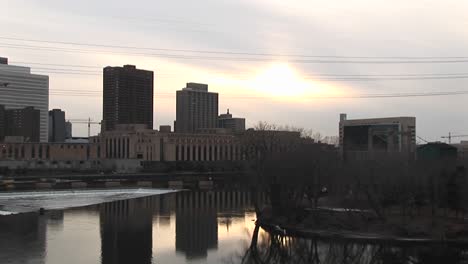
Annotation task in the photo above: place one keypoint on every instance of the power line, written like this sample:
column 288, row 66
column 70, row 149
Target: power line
column 245, row 74
column 344, row 60
column 52, row 64
column 317, row 78
column 231, row 52
column 357, row 96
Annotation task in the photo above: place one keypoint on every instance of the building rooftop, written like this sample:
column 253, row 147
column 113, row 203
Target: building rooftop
column 197, row 87
column 15, row 69
column 395, row 119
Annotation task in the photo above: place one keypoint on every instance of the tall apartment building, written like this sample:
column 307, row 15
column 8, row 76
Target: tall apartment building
column 23, row 123
column 2, row 122
column 68, row 129
column 127, row 97
column 233, row 124
column 57, row 129
column 19, row 89
column 196, row 108
column 370, row 138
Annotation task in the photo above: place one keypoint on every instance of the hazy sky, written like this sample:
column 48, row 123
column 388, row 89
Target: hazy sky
column 274, row 88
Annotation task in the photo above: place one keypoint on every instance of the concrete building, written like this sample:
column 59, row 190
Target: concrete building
column 369, row 138
column 24, row 123
column 127, row 97
column 137, row 142
column 19, row 89
column 2, row 122
column 57, row 127
column 233, row 124
column 165, row 129
column 49, row 151
column 68, row 130
column 196, row 108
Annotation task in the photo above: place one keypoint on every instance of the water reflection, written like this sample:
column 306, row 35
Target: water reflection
column 266, row 248
column 126, row 231
column 197, row 215
column 22, row 238
column 187, row 227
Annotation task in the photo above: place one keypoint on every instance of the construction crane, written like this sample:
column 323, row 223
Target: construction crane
column 450, row 136
column 88, row 121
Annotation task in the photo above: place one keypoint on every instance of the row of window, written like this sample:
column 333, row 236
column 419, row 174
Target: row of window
column 208, row 153
column 118, row 148
column 39, row 152
column 20, row 153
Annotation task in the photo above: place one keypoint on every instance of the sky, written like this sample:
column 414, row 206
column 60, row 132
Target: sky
column 297, row 63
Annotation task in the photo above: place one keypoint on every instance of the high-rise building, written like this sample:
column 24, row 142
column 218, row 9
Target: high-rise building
column 23, row 123
column 2, row 122
column 68, row 130
column 196, row 108
column 57, row 129
column 127, row 97
column 19, row 89
column 233, row 124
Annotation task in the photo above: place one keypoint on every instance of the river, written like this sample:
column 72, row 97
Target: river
column 184, row 227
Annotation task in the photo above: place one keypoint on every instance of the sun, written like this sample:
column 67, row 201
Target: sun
column 279, row 80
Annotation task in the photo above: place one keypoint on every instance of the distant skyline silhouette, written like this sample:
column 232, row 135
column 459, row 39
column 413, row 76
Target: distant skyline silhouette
column 243, row 49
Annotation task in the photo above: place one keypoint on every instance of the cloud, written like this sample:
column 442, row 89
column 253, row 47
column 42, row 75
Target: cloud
column 336, row 28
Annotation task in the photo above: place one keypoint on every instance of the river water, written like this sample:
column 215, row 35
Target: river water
column 184, row 227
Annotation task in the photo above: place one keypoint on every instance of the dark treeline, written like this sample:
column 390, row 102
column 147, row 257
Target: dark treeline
column 414, row 197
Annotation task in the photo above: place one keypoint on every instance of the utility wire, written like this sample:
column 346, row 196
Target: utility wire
column 231, row 52
column 245, row 59
column 358, row 78
column 357, row 96
column 246, row 74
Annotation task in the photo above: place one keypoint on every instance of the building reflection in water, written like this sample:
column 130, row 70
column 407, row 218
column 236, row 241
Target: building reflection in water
column 23, row 238
column 166, row 207
column 126, row 231
column 197, row 218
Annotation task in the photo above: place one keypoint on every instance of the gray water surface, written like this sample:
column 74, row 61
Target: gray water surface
column 182, row 227
column 185, row 227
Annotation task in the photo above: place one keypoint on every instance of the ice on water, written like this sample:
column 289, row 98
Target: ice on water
column 22, row 202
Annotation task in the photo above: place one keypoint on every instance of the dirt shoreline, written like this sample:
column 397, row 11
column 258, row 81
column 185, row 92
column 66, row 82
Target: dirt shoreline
column 357, row 237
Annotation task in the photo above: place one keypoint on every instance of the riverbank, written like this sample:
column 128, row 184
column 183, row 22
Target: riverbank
column 364, row 226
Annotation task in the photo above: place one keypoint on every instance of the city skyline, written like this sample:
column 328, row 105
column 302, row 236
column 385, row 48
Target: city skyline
column 255, row 88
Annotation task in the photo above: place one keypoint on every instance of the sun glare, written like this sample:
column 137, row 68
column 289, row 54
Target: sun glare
column 282, row 81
